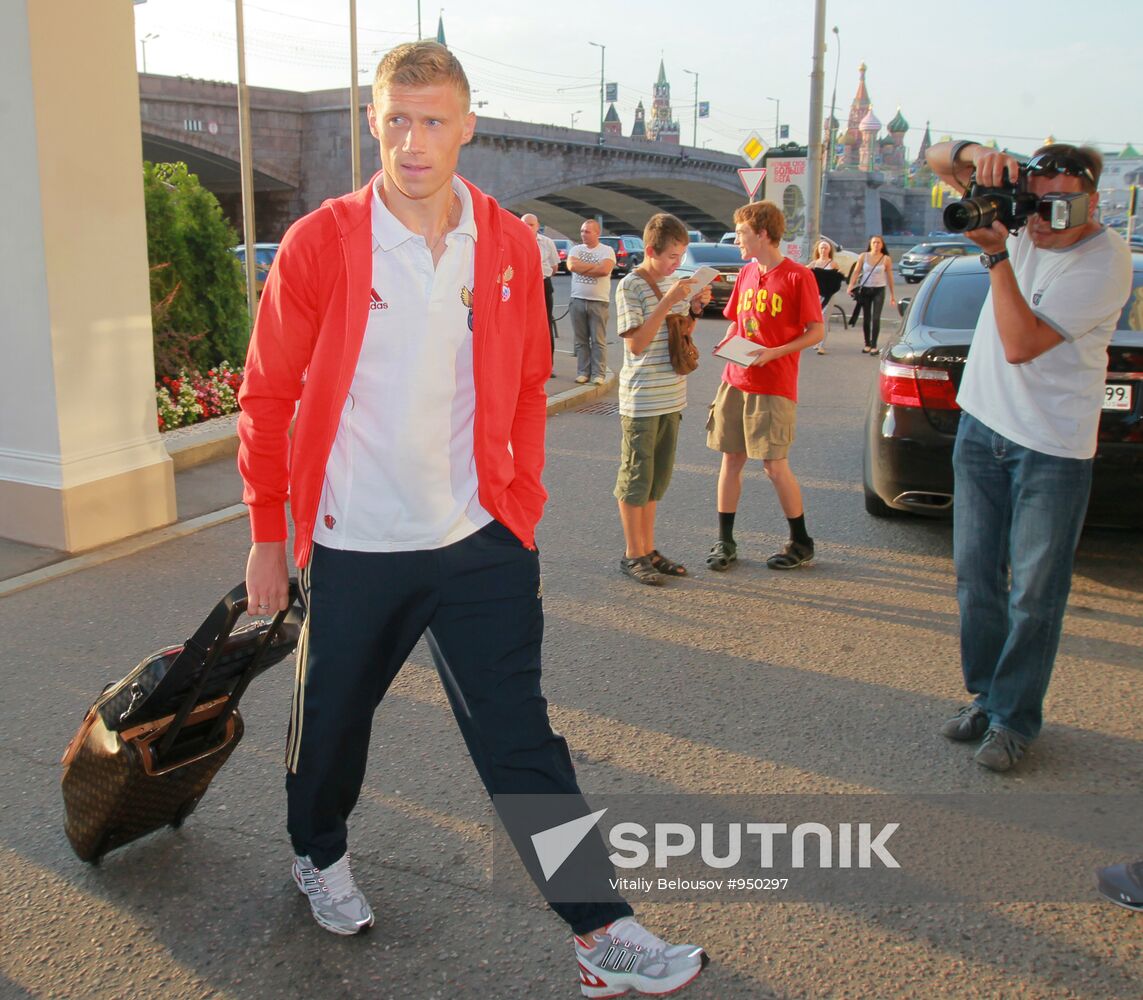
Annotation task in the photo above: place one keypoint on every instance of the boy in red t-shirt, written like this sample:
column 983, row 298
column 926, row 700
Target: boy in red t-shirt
column 775, row 303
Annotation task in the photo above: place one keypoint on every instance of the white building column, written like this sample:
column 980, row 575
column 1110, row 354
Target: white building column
column 81, row 461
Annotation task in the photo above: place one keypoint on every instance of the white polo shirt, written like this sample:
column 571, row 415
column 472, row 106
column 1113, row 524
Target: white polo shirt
column 402, row 474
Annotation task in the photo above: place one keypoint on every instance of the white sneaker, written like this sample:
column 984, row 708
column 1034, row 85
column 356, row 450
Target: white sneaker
column 337, row 904
column 599, row 380
column 581, row 380
column 625, row 956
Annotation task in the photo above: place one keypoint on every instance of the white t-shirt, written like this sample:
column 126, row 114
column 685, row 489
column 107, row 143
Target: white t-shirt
column 1051, row 404
column 584, row 286
column 402, row 474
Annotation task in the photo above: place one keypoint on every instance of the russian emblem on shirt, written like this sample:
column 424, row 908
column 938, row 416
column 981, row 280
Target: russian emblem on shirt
column 505, row 291
column 466, row 300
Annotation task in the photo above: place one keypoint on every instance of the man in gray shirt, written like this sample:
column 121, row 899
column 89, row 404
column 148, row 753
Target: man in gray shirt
column 590, row 264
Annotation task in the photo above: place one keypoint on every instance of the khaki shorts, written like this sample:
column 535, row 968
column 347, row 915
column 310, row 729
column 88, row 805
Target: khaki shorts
column 647, row 457
column 761, row 426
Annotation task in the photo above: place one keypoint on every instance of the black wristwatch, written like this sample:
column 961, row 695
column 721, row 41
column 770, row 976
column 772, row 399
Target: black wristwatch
column 990, row 260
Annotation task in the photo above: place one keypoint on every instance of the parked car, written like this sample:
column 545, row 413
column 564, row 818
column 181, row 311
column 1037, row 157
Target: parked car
column 922, row 258
column 264, row 254
column 912, row 415
column 563, row 246
column 723, row 256
column 728, row 237
column 628, row 253
column 695, row 236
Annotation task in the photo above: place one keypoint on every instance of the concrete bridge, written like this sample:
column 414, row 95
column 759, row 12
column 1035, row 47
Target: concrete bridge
column 301, row 156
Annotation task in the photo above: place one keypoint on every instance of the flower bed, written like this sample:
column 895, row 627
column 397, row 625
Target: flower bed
column 193, row 397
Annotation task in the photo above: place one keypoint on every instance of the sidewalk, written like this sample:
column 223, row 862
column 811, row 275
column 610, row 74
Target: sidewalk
column 208, row 490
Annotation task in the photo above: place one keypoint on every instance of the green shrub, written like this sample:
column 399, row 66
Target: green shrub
column 198, row 299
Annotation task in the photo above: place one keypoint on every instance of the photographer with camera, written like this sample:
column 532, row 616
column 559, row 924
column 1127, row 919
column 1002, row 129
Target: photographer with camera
column 1031, row 395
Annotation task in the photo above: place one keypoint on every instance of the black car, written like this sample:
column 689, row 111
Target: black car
column 722, row 256
column 628, row 253
column 912, row 416
column 922, row 258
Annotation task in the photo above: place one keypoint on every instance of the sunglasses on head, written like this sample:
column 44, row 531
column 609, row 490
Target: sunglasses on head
column 1050, row 164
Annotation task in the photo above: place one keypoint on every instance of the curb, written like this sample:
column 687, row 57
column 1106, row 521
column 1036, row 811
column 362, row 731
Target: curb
column 190, row 450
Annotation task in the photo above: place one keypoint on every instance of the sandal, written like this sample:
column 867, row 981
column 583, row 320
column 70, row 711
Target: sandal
column 640, row 569
column 668, row 567
column 722, row 554
column 792, row 556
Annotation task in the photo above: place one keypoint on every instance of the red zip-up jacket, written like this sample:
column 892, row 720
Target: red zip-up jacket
column 304, row 351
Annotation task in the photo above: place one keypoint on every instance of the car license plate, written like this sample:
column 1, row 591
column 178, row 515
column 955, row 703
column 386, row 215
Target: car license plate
column 1116, row 396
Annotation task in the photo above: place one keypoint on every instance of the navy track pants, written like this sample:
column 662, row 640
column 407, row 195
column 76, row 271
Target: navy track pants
column 479, row 599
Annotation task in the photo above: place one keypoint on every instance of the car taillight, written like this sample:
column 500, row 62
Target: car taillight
column 563, row 255
column 914, row 385
column 621, row 252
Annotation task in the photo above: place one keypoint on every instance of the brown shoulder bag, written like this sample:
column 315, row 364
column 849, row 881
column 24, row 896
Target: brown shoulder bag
column 680, row 343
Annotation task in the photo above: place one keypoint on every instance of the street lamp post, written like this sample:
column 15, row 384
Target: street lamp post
column 354, row 103
column 602, row 54
column 829, row 159
column 245, row 163
column 575, row 115
column 777, row 116
column 149, row 37
column 694, row 137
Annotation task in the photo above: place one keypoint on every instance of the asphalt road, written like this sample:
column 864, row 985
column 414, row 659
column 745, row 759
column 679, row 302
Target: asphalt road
column 830, row 679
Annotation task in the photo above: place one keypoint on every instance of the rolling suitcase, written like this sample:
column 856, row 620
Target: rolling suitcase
column 150, row 745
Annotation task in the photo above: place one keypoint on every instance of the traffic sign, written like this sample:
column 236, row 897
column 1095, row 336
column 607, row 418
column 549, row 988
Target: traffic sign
column 751, row 178
column 753, row 149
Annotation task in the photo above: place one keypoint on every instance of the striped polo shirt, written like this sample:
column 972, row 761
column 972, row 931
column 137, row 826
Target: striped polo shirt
column 648, row 385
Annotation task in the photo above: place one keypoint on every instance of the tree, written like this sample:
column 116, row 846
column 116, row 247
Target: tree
column 198, row 299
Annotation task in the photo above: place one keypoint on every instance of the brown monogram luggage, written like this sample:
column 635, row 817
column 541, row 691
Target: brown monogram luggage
column 150, row 745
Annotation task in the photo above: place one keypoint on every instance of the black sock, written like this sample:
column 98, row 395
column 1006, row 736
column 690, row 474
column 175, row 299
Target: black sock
column 726, row 527
column 798, row 531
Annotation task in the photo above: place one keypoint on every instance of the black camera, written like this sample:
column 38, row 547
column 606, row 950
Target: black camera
column 1012, row 204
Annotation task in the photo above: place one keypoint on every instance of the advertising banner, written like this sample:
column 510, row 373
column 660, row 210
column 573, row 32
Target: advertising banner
column 786, row 185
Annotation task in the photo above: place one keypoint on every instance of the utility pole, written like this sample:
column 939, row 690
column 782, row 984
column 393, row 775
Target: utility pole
column 817, row 94
column 777, row 117
column 602, row 53
column 694, row 137
column 149, row 37
column 354, row 102
column 246, row 165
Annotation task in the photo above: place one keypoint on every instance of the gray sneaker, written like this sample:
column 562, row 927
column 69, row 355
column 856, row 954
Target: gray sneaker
column 1000, row 750
column 969, row 724
column 337, row 904
column 626, row 956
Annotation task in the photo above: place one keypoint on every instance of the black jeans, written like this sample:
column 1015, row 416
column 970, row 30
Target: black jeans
column 549, row 301
column 479, row 598
column 871, row 314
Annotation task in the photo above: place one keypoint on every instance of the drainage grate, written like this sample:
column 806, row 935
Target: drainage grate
column 610, row 406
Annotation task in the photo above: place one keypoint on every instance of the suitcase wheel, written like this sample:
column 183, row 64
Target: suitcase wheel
column 184, row 811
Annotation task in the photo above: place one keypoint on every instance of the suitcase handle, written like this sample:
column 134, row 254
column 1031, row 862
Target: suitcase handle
column 203, row 649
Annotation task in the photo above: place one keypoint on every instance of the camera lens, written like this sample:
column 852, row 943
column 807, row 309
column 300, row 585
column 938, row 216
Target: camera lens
column 969, row 213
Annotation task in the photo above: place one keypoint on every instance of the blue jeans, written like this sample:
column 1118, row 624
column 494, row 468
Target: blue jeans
column 1020, row 511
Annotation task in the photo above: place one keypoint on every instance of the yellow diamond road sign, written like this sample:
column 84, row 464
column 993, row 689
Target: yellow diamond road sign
column 753, row 149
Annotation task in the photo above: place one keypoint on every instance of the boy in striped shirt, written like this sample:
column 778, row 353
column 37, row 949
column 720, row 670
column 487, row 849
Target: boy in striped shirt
column 651, row 394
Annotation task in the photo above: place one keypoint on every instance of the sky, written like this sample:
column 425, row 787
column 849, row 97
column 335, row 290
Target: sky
column 980, row 69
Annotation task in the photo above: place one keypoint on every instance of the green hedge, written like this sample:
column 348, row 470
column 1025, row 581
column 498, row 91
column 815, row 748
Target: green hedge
column 198, row 296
